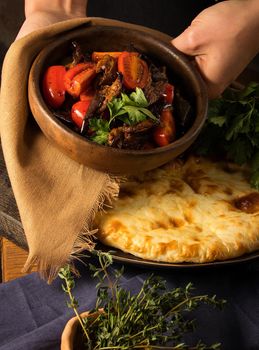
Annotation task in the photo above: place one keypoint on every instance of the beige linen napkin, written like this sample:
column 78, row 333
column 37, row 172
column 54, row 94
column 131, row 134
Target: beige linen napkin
column 56, row 196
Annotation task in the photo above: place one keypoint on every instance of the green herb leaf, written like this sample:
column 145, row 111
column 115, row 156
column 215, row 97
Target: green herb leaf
column 218, row 120
column 255, row 161
column 115, row 106
column 255, row 180
column 139, row 98
column 101, row 129
column 250, row 89
column 131, row 109
column 256, row 122
column 255, row 171
column 232, row 128
column 134, row 115
column 239, row 150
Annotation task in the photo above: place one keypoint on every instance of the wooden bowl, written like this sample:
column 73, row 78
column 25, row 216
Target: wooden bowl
column 71, row 337
column 115, row 38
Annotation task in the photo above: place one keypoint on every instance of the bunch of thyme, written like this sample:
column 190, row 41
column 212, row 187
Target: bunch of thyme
column 154, row 318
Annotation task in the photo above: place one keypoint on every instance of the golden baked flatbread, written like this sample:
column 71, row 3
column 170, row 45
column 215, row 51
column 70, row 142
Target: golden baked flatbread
column 193, row 211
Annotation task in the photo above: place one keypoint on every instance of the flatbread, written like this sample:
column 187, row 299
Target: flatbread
column 188, row 211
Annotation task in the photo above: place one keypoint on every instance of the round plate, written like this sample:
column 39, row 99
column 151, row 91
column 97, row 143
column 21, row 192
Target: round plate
column 126, row 258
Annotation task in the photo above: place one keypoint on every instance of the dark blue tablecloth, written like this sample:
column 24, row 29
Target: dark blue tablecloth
column 33, row 314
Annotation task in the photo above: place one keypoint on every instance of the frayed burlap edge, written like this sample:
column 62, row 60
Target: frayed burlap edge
column 85, row 241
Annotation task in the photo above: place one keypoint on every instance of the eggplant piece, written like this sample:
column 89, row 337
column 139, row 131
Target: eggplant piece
column 78, row 55
column 156, row 85
column 153, row 91
column 143, row 126
column 158, row 74
column 64, row 116
column 183, row 112
column 131, row 136
column 96, row 103
column 116, row 137
column 100, row 101
column 109, row 92
column 108, row 67
column 135, row 141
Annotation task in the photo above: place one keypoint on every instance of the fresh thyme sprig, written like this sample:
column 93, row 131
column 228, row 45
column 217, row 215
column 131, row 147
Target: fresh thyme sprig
column 66, row 274
column 154, row 318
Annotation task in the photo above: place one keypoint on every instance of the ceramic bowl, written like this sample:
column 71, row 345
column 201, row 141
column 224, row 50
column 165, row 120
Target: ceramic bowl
column 71, row 337
column 181, row 71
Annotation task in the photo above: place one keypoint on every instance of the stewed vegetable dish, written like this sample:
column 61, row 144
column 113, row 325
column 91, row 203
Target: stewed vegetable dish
column 118, row 99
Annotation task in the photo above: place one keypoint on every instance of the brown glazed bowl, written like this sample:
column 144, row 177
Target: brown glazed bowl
column 117, row 38
column 71, row 337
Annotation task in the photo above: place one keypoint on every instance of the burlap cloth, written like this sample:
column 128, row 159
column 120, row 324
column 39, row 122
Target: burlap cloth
column 56, row 196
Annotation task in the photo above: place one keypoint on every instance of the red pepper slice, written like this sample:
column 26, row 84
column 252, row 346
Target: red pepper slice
column 134, row 70
column 53, row 87
column 78, row 112
column 96, row 55
column 168, row 93
column 165, row 133
column 78, row 78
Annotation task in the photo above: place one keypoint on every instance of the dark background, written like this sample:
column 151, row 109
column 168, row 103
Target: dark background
column 169, row 16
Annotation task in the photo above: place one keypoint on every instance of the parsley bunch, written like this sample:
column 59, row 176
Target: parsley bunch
column 130, row 109
column 154, row 318
column 232, row 128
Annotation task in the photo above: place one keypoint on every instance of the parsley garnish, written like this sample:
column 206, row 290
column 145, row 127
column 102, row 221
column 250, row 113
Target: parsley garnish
column 131, row 109
column 232, row 128
column 101, row 130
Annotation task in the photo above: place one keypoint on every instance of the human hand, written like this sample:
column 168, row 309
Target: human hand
column 41, row 13
column 223, row 40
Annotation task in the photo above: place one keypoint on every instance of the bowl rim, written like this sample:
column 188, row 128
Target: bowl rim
column 186, row 61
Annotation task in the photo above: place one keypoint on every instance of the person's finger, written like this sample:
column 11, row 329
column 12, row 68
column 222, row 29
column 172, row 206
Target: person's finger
column 212, row 75
column 190, row 41
column 79, row 7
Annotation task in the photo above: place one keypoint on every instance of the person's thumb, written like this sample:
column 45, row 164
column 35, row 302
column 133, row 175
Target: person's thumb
column 189, row 41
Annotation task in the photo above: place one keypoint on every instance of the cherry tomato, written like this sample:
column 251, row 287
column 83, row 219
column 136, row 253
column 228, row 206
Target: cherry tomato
column 78, row 78
column 53, row 87
column 169, row 93
column 87, row 94
column 78, row 112
column 165, row 133
column 134, row 70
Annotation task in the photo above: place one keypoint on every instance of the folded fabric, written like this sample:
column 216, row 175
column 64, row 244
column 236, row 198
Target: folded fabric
column 56, row 196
